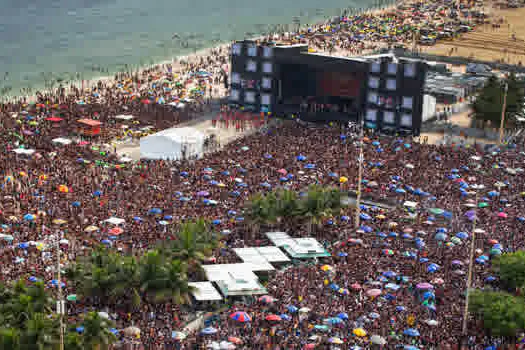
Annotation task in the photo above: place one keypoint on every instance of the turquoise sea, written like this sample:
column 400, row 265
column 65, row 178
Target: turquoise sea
column 64, row 40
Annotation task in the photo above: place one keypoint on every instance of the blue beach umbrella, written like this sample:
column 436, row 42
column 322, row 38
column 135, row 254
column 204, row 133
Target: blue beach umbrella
column 411, row 332
column 301, row 158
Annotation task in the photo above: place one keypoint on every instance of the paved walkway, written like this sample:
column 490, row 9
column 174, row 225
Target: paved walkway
column 203, row 124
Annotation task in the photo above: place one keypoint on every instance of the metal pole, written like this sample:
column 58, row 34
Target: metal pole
column 471, row 260
column 61, row 308
column 503, row 108
column 359, row 178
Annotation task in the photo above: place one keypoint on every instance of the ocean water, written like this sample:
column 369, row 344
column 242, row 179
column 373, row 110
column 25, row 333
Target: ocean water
column 65, row 40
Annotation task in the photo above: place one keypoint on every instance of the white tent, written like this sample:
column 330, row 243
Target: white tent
column 172, row 144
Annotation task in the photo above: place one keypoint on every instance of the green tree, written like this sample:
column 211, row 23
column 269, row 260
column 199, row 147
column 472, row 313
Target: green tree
column 501, row 313
column 194, row 242
column 163, row 279
column 97, row 334
column 511, row 270
column 489, row 103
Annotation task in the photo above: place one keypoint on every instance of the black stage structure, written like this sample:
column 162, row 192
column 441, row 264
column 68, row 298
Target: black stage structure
column 289, row 80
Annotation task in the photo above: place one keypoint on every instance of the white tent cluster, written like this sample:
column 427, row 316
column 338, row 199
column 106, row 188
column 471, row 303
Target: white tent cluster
column 173, row 144
column 241, row 279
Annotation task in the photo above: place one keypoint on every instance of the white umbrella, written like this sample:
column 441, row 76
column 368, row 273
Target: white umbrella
column 304, row 310
column 132, row 330
column 104, row 315
column 376, row 339
column 432, row 322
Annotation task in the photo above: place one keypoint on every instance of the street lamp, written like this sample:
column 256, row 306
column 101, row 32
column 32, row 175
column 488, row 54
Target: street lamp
column 476, row 188
column 360, row 161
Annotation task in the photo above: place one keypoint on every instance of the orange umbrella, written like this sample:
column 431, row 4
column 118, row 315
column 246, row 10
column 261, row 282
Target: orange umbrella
column 63, row 189
column 116, row 231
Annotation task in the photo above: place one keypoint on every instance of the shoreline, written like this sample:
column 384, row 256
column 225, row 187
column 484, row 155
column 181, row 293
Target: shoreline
column 203, row 52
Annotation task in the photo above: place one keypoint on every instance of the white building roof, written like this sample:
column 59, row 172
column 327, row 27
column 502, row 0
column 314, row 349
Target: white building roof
column 273, row 254
column 226, row 272
column 241, row 287
column 204, row 291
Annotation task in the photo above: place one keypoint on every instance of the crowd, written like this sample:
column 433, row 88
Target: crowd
column 399, row 280
column 403, row 25
column 375, row 280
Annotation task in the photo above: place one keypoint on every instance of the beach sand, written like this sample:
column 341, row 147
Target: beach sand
column 487, row 43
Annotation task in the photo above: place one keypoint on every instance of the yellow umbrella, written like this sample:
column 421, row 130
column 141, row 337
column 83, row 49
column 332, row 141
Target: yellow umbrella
column 326, row 268
column 91, row 229
column 59, row 221
column 360, row 332
column 381, row 217
column 343, row 179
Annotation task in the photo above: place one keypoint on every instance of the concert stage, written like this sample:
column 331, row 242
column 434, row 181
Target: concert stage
column 288, row 80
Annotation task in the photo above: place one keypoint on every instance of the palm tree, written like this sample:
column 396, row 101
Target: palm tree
column 163, row 279
column 194, row 242
column 9, row 338
column 97, row 334
column 262, row 210
column 40, row 333
column 73, row 341
column 288, row 207
column 314, row 207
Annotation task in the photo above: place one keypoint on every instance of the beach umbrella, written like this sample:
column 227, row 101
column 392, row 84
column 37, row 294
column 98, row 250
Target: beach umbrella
column 29, row 217
column 235, row 340
column 335, row 340
column 374, row 315
column 392, row 286
column 309, row 166
column 273, row 318
column 266, row 299
column 462, row 235
column 116, row 231
column 301, row 158
column 359, row 332
column 410, row 347
column 424, row 285
column 431, row 322
column 389, row 274
column 342, row 316
column 373, row 292
column 378, row 340
column 209, row 331
column 292, row 309
column 332, row 321
column 178, row 335
column 240, row 316
column 79, row 329
column 304, row 310
column 285, row 317
column 432, row 268
column 155, row 211
column 411, row 332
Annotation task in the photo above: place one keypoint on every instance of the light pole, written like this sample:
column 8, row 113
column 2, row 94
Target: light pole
column 60, row 302
column 476, row 188
column 360, row 161
column 503, row 108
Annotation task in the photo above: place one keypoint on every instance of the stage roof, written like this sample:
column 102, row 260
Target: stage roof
column 204, row 291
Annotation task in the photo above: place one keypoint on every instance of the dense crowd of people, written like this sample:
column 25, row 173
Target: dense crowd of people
column 403, row 25
column 376, row 277
column 396, row 281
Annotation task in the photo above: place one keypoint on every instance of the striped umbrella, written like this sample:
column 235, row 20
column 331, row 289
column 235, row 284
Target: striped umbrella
column 240, row 316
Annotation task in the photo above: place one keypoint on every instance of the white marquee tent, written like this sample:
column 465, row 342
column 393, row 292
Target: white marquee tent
column 172, row 144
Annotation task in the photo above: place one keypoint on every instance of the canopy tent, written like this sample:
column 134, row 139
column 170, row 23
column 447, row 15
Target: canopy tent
column 62, row 140
column 252, row 256
column 222, row 272
column 302, row 248
column 204, row 291
column 123, row 117
column 235, row 279
column 25, row 151
column 261, row 255
column 174, row 144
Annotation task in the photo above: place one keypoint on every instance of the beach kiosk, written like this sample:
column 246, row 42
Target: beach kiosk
column 89, row 127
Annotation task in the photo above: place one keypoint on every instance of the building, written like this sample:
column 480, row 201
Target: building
column 384, row 90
